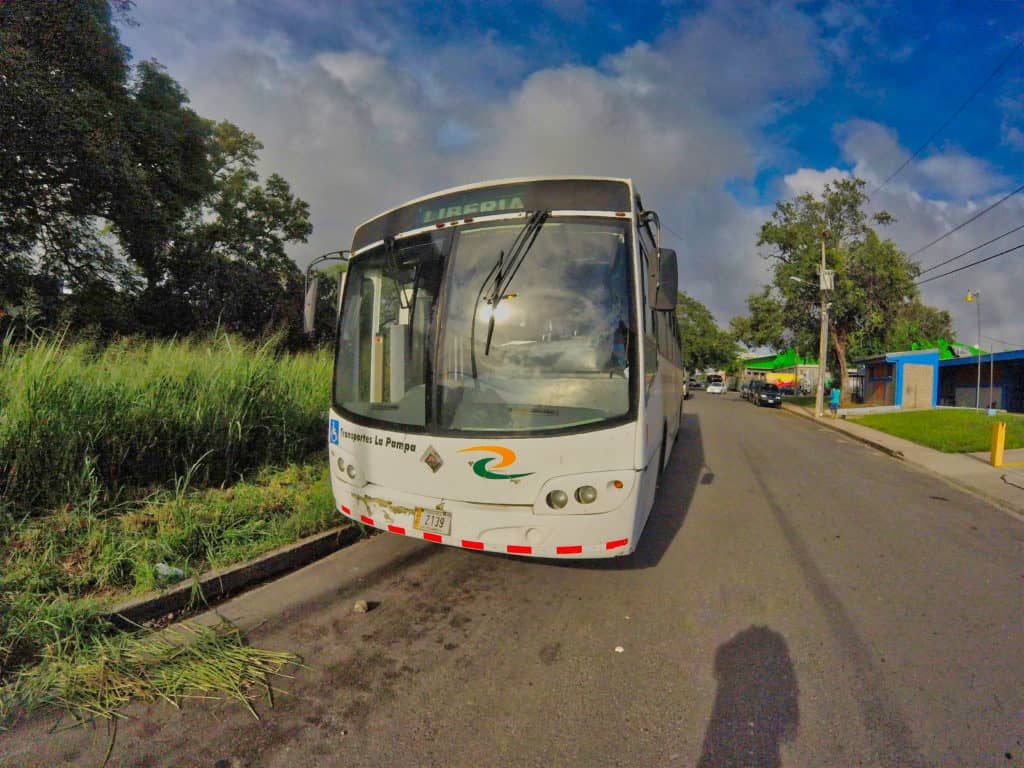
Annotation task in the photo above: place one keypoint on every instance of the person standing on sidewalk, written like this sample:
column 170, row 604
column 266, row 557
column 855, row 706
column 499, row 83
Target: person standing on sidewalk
column 833, row 401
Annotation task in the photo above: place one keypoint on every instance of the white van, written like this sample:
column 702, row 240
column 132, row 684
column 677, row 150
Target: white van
column 716, row 384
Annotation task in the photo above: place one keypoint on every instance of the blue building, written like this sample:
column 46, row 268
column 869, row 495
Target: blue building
column 944, row 375
column 1002, row 381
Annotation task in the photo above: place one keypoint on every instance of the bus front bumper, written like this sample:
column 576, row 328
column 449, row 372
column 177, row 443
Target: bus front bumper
column 507, row 529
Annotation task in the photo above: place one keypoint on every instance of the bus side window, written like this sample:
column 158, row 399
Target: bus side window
column 651, row 344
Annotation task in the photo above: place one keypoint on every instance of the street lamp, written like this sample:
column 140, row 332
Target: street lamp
column 975, row 298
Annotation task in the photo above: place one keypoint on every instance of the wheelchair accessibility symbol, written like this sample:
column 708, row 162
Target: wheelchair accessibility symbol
column 335, row 431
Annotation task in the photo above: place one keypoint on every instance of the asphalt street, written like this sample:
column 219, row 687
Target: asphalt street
column 797, row 599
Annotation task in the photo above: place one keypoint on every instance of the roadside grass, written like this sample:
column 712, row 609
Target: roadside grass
column 60, row 571
column 190, row 661
column 81, row 425
column 131, row 467
column 947, row 430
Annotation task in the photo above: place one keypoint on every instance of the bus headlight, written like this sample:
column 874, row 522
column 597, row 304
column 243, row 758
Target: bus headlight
column 348, row 472
column 558, row 499
column 586, row 494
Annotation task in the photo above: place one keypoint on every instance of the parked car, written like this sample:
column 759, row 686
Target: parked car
column 753, row 389
column 716, row 385
column 745, row 390
column 768, row 394
column 695, row 384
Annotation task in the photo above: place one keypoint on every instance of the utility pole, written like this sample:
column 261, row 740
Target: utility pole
column 819, row 396
column 991, row 371
column 975, row 296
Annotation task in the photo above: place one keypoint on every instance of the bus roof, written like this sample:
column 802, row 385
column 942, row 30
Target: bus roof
column 528, row 193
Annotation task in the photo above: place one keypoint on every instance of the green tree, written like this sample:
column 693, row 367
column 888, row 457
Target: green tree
column 62, row 74
column 874, row 280
column 170, row 168
column 92, row 153
column 121, row 207
column 227, row 263
column 918, row 323
column 766, row 325
column 704, row 344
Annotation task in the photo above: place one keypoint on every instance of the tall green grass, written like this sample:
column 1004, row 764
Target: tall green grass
column 85, row 425
column 58, row 572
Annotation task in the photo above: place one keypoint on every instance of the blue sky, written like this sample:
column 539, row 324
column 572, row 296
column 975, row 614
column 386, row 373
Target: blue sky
column 716, row 108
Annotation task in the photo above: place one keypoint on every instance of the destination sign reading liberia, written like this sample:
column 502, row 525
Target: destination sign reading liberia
column 494, row 199
column 513, row 202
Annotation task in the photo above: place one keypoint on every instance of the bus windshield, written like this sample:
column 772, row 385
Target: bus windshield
column 416, row 323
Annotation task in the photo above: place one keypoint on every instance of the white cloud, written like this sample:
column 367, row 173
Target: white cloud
column 808, row 181
column 389, row 98
column 965, row 185
column 945, row 173
column 376, row 115
column 381, row 116
column 1013, row 118
column 957, row 174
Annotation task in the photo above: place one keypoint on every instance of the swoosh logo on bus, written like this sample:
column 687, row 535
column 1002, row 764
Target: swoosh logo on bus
column 484, row 467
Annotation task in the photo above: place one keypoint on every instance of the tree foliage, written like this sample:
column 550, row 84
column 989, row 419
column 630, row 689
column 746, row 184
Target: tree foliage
column 705, row 345
column 875, row 304
column 226, row 263
column 765, row 326
column 120, row 207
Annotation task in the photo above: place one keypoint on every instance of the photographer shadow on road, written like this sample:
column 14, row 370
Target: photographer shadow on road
column 756, row 707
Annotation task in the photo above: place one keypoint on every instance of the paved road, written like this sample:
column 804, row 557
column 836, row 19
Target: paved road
column 797, row 599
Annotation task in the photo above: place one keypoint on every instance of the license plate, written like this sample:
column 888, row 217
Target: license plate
column 433, row 521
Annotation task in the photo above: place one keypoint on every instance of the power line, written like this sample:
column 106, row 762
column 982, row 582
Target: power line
column 972, row 264
column 1013, row 344
column 953, row 116
column 673, row 231
column 968, row 252
column 963, row 224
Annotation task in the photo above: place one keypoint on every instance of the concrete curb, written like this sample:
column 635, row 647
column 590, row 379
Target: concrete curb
column 1006, row 479
column 797, row 411
column 215, row 585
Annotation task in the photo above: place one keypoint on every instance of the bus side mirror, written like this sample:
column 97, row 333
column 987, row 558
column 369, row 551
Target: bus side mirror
column 309, row 307
column 668, row 280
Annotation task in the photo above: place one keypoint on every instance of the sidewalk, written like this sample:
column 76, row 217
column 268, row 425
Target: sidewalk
column 1003, row 486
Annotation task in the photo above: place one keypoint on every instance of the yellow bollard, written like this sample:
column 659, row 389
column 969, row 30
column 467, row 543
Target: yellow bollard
column 998, row 443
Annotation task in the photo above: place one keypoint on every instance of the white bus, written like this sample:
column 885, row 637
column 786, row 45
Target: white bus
column 508, row 373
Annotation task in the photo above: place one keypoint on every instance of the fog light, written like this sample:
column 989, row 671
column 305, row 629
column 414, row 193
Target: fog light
column 350, row 470
column 341, row 465
column 586, row 494
column 557, row 499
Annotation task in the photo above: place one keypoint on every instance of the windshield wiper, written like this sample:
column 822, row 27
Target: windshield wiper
column 501, row 276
